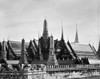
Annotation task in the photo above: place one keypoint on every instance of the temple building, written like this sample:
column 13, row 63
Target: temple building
column 84, row 50
column 46, row 49
column 27, row 60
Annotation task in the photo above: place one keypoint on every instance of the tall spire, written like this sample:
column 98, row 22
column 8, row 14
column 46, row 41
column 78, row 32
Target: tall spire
column 23, row 58
column 4, row 53
column 62, row 36
column 52, row 57
column 76, row 37
column 45, row 30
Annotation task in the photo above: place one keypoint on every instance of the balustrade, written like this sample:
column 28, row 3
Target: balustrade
column 23, row 74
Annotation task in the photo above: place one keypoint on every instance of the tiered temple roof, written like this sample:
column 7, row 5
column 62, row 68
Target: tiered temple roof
column 83, row 50
column 16, row 46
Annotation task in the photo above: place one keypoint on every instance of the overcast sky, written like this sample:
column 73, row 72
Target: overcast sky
column 24, row 19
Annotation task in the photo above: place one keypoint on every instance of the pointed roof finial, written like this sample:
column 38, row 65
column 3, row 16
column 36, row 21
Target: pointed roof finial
column 38, row 37
column 51, row 34
column 8, row 38
column 89, row 42
column 76, row 37
column 67, row 39
column 45, row 17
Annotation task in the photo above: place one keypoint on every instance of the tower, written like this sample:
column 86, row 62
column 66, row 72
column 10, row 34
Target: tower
column 44, row 41
column 76, row 36
column 4, row 53
column 23, row 58
column 45, row 31
column 52, row 57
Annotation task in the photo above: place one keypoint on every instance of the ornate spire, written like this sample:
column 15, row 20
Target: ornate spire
column 52, row 57
column 76, row 37
column 23, row 58
column 4, row 53
column 45, row 30
column 62, row 35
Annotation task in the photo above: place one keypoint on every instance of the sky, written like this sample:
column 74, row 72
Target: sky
column 24, row 19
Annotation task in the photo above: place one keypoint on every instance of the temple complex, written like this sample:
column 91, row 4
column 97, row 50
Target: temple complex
column 43, row 48
column 22, row 60
column 46, row 50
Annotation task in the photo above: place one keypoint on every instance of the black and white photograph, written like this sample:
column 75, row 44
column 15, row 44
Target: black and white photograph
column 49, row 39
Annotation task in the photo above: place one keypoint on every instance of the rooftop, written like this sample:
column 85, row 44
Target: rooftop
column 84, row 50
